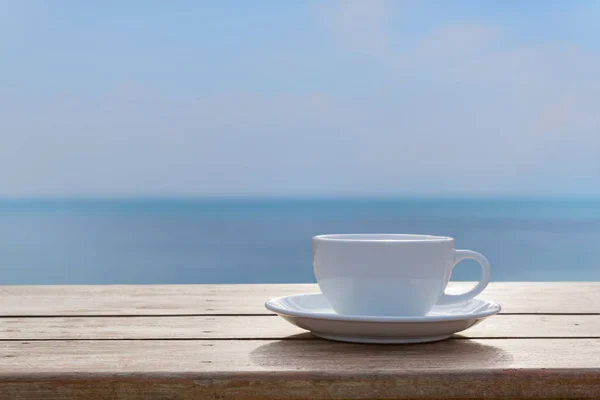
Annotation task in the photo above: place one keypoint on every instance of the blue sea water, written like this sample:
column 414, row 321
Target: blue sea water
column 253, row 241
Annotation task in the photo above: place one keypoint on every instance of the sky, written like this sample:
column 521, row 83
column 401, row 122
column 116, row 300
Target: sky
column 299, row 98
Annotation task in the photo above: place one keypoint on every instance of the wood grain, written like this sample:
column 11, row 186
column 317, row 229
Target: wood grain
column 300, row 369
column 219, row 342
column 265, row 327
column 515, row 297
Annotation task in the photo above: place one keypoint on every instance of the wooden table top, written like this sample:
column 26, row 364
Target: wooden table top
column 219, row 342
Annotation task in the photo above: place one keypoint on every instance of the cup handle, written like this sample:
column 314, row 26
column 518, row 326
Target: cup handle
column 460, row 255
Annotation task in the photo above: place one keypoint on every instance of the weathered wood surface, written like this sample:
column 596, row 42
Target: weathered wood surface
column 310, row 369
column 515, row 297
column 266, row 327
column 219, row 342
column 508, row 384
column 317, row 357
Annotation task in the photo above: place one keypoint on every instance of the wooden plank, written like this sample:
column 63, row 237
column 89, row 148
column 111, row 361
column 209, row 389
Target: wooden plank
column 265, row 327
column 515, row 297
column 300, row 369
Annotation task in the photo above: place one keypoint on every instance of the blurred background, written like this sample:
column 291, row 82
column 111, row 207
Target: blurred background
column 207, row 141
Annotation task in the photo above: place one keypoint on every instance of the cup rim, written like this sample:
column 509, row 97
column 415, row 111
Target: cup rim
column 382, row 238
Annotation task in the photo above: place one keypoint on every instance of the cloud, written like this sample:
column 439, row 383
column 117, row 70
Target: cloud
column 468, row 108
column 135, row 141
column 544, row 98
column 524, row 114
column 358, row 25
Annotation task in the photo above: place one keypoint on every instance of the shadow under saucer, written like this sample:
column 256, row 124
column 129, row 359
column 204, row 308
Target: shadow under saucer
column 305, row 352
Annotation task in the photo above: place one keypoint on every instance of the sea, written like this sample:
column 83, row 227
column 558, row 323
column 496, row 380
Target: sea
column 168, row 241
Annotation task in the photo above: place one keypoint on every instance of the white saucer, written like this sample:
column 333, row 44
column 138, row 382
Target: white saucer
column 314, row 313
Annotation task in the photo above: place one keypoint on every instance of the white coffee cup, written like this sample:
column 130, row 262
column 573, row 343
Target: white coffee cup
column 389, row 274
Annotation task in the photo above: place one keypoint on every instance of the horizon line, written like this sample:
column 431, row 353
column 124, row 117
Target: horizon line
column 175, row 198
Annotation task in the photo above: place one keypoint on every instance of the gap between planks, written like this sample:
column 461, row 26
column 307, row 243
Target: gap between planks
column 458, row 337
column 224, row 315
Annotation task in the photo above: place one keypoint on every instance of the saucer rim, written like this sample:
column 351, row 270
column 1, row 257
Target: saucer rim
column 373, row 318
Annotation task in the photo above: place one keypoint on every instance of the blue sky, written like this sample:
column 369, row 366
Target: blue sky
column 299, row 98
